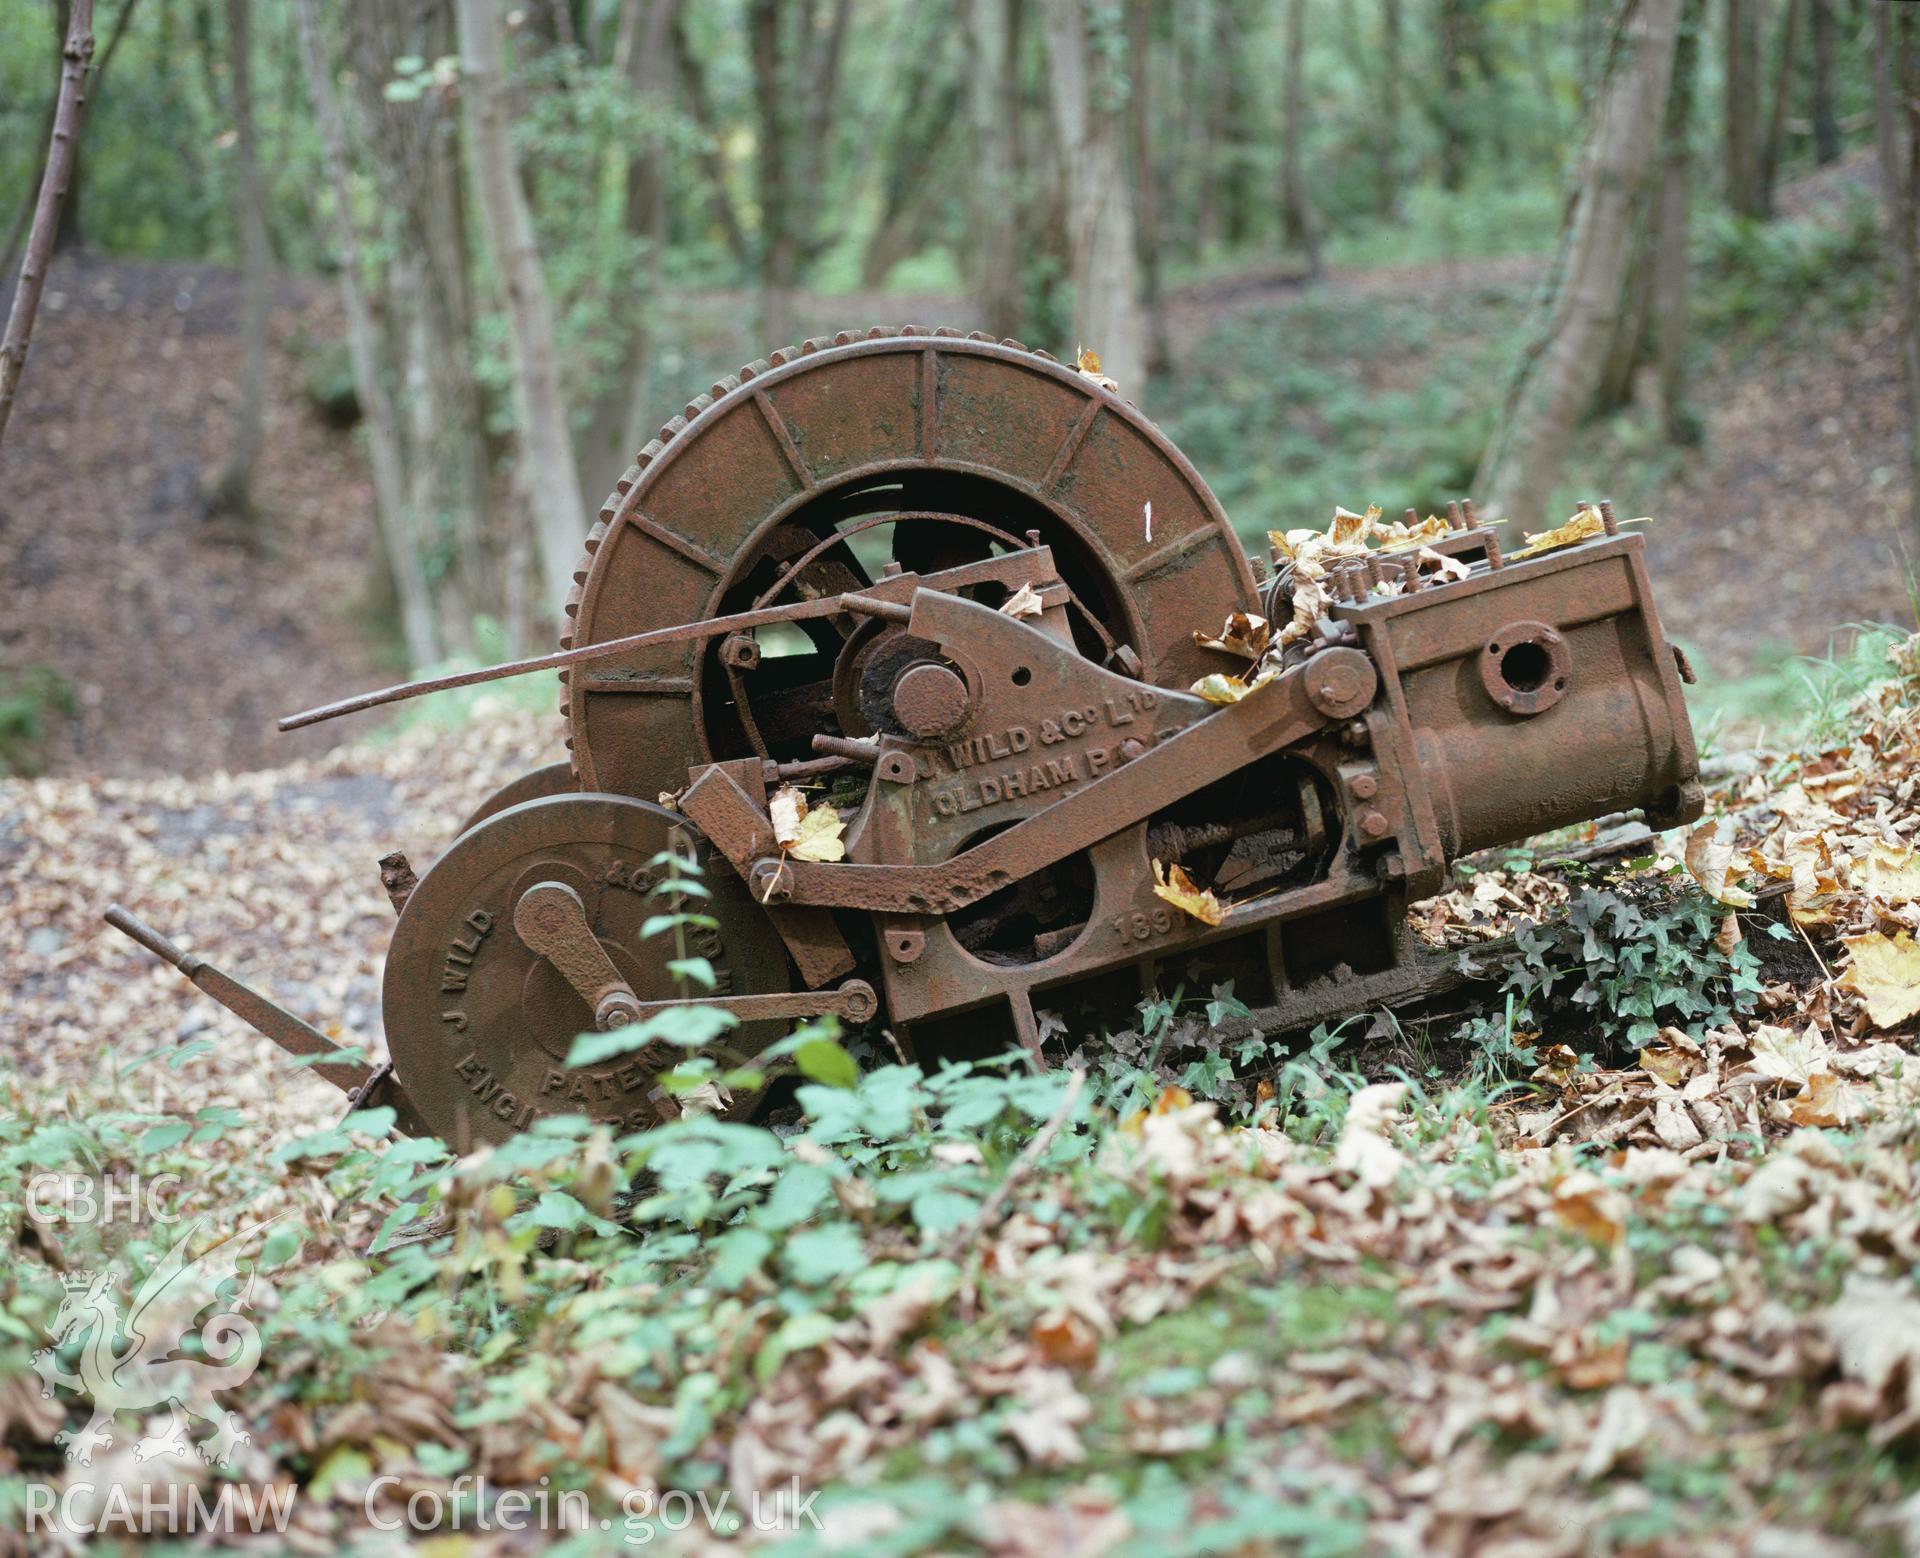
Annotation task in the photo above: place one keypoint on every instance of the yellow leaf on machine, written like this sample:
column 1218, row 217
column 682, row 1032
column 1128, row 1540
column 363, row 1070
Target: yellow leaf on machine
column 1309, row 603
column 1710, row 862
column 1243, row 633
column 1885, row 974
column 1180, row 890
column 1023, row 602
column 1349, row 528
column 1397, row 537
column 1222, row 688
column 805, row 832
column 1086, row 363
column 1447, row 568
column 1584, row 526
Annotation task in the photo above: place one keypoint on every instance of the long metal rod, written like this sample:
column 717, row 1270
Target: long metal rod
column 872, row 602
column 711, row 627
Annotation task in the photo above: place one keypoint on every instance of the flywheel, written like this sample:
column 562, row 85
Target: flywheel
column 493, row 968
column 824, row 466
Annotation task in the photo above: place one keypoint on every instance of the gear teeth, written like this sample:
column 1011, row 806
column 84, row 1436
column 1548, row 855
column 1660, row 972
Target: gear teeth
column 778, row 358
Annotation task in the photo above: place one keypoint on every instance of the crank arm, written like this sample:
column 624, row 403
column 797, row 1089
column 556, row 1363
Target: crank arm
column 853, row 1001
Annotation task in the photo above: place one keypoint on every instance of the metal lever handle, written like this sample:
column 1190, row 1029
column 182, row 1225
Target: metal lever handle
column 263, row 1016
column 552, row 921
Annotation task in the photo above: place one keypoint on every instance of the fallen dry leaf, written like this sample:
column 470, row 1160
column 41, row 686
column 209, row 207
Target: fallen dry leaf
column 1023, row 602
column 1828, row 1101
column 1219, row 687
column 1177, row 888
column 1086, row 363
column 805, row 832
column 1893, row 874
column 1710, row 862
column 1885, row 974
column 1584, row 526
column 1244, row 633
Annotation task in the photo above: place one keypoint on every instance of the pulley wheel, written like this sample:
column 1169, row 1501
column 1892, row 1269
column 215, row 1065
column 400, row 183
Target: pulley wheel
column 479, row 1025
column 554, row 779
column 814, row 471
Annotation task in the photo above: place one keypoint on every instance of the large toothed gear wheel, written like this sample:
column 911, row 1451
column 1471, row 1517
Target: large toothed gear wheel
column 817, row 469
column 482, row 1008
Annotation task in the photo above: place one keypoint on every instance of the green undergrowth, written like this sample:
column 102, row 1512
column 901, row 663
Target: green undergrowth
column 1796, row 703
column 712, row 1264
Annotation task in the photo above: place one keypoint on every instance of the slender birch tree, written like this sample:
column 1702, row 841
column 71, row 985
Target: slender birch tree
column 547, row 456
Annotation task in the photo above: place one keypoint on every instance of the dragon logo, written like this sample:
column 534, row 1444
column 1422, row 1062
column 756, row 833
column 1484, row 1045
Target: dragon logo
column 144, row 1373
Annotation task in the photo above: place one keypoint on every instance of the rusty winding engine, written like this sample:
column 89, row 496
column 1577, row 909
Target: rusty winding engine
column 799, row 584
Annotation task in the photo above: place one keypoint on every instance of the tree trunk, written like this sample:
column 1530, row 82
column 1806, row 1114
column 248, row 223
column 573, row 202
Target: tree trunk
column 693, row 83
column 231, row 491
column 619, row 427
column 63, row 147
column 397, row 529
column 1296, row 209
column 1146, row 182
column 1089, row 104
column 1558, row 375
column 1782, row 91
column 1669, row 301
column 770, row 158
column 552, row 477
column 1741, row 132
column 1449, row 110
column 1826, row 121
column 993, row 107
column 1387, row 113
column 1896, row 116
